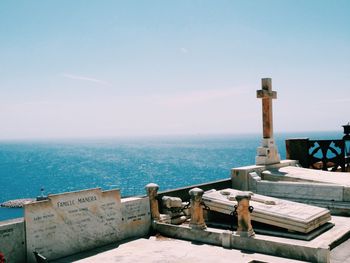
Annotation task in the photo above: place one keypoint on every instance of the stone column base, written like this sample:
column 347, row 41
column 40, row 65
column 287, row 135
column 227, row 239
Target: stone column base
column 267, row 153
column 249, row 233
column 198, row 226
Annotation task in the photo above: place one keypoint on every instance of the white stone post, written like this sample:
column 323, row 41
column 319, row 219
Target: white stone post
column 244, row 228
column 197, row 219
column 152, row 192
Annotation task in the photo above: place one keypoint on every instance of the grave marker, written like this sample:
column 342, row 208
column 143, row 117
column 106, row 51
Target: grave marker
column 267, row 153
column 72, row 222
column 273, row 211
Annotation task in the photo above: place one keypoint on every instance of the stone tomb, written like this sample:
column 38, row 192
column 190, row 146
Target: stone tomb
column 136, row 217
column 321, row 188
column 277, row 212
column 330, row 190
column 69, row 223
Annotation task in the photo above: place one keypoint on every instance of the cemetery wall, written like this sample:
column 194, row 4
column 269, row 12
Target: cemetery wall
column 73, row 222
column 12, row 240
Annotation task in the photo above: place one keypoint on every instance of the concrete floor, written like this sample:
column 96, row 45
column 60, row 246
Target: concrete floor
column 168, row 250
column 341, row 254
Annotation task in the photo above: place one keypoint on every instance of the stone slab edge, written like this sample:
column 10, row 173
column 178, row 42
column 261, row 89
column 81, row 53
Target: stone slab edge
column 240, row 175
column 260, row 244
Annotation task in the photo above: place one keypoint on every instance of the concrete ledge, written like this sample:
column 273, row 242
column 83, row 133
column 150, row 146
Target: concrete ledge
column 239, row 175
column 317, row 250
column 164, row 249
column 336, row 208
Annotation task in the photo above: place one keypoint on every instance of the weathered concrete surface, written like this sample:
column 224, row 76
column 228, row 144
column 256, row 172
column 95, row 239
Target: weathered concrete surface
column 12, row 240
column 281, row 247
column 341, row 254
column 316, row 250
column 161, row 249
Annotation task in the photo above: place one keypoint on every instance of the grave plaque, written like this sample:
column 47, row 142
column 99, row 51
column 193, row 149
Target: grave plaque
column 136, row 216
column 273, row 211
column 72, row 222
column 12, row 245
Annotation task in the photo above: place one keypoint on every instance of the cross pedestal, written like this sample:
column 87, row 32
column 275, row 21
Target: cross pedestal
column 267, row 153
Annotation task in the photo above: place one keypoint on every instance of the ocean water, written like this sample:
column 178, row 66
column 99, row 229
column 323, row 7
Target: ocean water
column 128, row 164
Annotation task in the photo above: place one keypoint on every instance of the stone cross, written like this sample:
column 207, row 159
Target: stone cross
column 266, row 94
column 267, row 152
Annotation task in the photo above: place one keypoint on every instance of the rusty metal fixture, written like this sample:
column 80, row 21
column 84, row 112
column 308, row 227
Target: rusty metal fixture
column 243, row 209
column 197, row 218
column 152, row 193
column 318, row 154
column 346, row 129
column 346, row 140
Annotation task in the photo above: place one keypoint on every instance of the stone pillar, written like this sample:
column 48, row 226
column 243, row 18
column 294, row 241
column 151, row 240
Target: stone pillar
column 197, row 219
column 152, row 192
column 244, row 228
column 267, row 153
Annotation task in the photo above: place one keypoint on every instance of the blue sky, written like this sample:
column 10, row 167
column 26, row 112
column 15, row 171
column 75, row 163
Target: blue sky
column 111, row 68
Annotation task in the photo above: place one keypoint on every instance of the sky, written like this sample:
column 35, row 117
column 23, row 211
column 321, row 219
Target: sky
column 124, row 68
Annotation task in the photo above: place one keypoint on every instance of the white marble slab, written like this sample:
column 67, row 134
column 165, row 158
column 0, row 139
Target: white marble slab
column 72, row 222
column 305, row 190
column 303, row 174
column 136, row 217
column 286, row 214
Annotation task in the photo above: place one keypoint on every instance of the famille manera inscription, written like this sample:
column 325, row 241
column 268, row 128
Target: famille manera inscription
column 67, row 219
column 78, row 201
column 70, row 203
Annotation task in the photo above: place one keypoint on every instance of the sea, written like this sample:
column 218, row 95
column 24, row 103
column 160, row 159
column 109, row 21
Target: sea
column 31, row 168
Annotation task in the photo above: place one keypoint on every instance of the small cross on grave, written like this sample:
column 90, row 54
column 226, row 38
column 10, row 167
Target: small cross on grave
column 267, row 152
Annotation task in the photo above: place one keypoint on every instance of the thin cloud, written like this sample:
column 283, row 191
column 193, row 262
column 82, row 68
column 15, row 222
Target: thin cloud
column 184, row 50
column 200, row 96
column 85, row 78
column 337, row 100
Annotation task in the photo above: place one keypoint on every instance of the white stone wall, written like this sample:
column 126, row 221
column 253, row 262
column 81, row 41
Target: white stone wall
column 12, row 240
column 73, row 222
